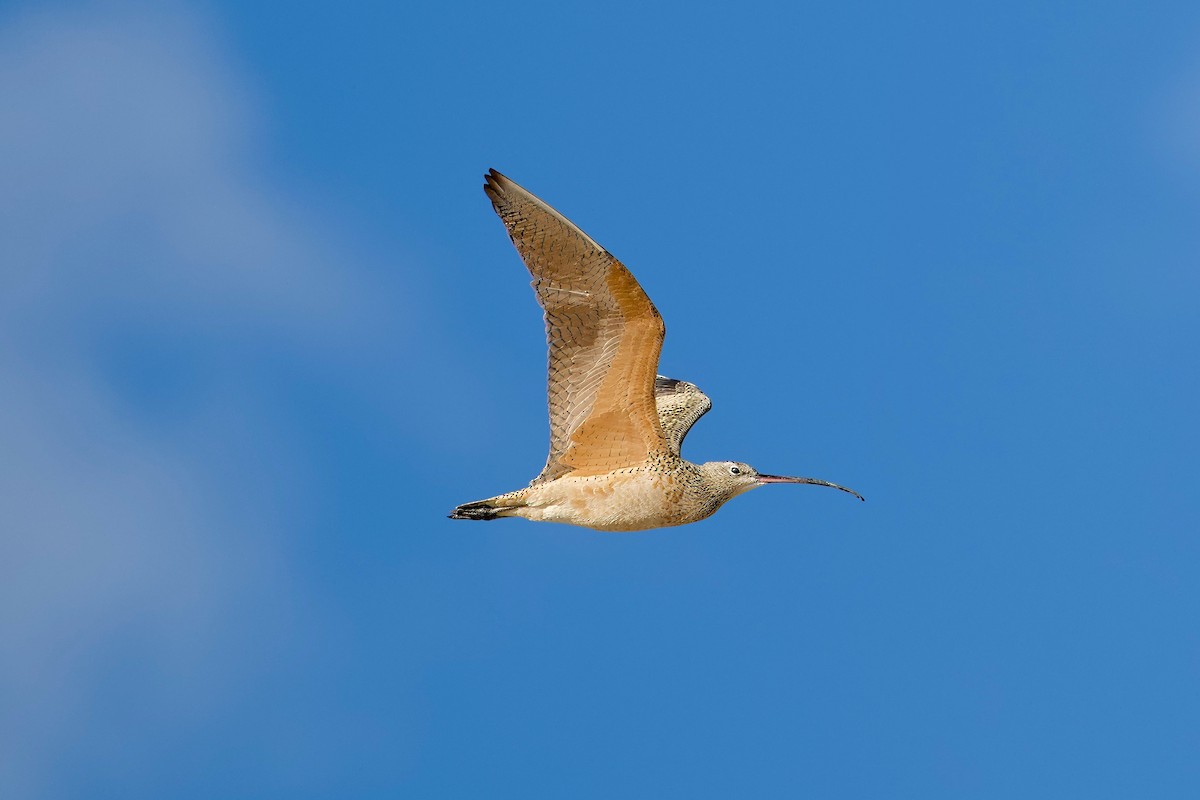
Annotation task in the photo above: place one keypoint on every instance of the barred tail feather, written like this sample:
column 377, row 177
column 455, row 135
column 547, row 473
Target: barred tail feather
column 492, row 508
column 479, row 510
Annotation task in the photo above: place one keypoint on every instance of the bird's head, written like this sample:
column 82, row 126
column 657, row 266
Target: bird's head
column 728, row 479
column 731, row 478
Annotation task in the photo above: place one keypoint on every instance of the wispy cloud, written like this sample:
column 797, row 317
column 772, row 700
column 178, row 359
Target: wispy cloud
column 129, row 214
column 1175, row 120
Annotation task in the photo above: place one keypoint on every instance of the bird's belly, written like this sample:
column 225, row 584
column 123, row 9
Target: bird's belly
column 628, row 501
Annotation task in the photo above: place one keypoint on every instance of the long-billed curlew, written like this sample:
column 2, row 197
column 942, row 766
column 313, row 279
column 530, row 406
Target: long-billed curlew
column 615, row 426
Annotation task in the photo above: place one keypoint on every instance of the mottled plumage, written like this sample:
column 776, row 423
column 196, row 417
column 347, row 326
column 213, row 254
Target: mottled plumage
column 616, row 427
column 679, row 404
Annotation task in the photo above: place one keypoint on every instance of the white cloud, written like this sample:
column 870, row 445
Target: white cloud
column 127, row 205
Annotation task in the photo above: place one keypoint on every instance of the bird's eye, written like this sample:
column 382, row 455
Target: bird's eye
column 735, row 471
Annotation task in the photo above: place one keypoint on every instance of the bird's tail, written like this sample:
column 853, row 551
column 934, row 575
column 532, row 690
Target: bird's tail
column 492, row 508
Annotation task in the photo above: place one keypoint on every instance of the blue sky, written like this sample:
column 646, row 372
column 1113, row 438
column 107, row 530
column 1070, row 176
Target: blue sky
column 260, row 331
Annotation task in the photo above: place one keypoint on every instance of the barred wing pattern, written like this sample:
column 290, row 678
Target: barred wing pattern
column 604, row 338
column 680, row 404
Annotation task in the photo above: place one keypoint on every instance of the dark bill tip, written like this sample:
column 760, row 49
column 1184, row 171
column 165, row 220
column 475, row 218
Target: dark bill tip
column 814, row 481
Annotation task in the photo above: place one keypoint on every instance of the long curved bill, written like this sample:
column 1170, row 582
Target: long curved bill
column 815, row 481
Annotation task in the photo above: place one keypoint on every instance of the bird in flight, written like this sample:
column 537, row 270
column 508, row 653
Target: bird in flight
column 616, row 426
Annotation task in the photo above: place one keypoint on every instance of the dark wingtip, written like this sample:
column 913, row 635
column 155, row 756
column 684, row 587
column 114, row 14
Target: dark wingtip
column 665, row 385
column 493, row 184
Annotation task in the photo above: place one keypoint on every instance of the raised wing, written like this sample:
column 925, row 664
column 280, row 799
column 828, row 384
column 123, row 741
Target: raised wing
column 604, row 339
column 680, row 404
